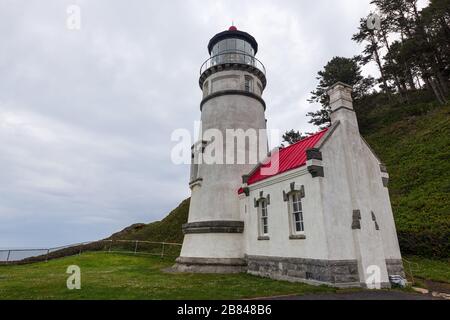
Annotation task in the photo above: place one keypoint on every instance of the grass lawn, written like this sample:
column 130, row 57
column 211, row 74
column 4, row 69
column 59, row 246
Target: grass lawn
column 122, row 276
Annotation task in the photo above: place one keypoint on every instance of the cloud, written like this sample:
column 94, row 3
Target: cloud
column 86, row 116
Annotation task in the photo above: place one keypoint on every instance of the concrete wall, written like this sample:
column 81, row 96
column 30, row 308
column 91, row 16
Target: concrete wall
column 348, row 189
column 314, row 246
column 213, row 245
column 309, row 259
column 354, row 186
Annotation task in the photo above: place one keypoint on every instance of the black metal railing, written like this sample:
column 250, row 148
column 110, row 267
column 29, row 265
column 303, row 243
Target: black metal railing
column 232, row 57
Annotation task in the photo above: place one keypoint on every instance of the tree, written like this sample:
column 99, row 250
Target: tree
column 420, row 53
column 371, row 51
column 342, row 69
column 432, row 34
column 292, row 137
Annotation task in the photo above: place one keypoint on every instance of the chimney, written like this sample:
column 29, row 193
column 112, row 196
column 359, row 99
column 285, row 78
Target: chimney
column 341, row 104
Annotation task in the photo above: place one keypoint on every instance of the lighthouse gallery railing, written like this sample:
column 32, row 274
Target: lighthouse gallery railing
column 233, row 57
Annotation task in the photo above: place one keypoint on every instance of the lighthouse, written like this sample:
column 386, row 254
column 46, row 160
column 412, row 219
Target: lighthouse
column 317, row 211
column 232, row 81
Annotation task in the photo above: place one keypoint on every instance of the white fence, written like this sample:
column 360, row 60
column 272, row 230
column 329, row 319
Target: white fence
column 162, row 249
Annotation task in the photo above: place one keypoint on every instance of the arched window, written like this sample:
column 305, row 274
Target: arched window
column 263, row 218
column 260, row 89
column 297, row 224
column 194, row 167
column 205, row 89
column 248, row 84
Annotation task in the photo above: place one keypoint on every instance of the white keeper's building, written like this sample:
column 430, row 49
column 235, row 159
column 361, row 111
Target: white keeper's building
column 323, row 216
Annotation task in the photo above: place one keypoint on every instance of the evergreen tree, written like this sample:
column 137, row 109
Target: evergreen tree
column 292, row 137
column 371, row 51
column 420, row 52
column 341, row 69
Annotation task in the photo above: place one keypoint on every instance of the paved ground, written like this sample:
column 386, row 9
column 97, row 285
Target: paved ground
column 361, row 295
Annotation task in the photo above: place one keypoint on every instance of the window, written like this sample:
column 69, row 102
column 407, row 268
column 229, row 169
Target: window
column 194, row 169
column 264, row 218
column 297, row 214
column 248, row 84
column 260, row 89
column 205, row 89
column 240, row 45
column 240, row 49
column 233, row 51
column 222, row 46
column 231, row 45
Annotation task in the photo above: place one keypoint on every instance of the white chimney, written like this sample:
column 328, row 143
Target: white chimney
column 341, row 104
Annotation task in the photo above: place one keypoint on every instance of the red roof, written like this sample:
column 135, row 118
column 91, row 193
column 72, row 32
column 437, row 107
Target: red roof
column 291, row 157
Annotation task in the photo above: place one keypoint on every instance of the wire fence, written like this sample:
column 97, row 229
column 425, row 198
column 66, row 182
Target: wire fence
column 410, row 268
column 23, row 256
column 161, row 249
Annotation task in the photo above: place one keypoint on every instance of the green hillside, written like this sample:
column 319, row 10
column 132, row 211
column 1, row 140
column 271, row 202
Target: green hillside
column 413, row 140
column 166, row 230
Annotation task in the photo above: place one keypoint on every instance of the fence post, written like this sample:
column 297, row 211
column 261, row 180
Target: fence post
column 410, row 271
column 46, row 256
column 162, row 251
column 7, row 258
column 135, row 247
column 110, row 245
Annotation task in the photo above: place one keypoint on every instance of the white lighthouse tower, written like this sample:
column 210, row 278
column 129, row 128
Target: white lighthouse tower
column 232, row 81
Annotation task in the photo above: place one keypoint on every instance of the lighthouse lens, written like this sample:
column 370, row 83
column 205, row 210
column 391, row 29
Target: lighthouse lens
column 232, row 51
column 233, row 46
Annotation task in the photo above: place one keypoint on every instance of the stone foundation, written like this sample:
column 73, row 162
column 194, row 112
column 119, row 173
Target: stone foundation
column 395, row 267
column 342, row 273
column 209, row 265
column 336, row 273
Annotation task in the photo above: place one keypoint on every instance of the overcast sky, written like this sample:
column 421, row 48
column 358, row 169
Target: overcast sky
column 86, row 115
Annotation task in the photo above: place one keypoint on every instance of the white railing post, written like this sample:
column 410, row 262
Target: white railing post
column 7, row 258
column 162, row 250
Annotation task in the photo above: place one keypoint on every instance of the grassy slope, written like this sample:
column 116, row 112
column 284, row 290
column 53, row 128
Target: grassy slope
column 167, row 230
column 429, row 269
column 414, row 142
column 121, row 276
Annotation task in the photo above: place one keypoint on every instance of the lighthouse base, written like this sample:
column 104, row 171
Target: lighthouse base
column 209, row 265
column 212, row 252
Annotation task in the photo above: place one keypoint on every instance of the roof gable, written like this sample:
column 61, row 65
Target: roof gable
column 289, row 158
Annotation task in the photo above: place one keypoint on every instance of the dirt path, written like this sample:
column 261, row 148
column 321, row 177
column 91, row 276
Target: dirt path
column 437, row 286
